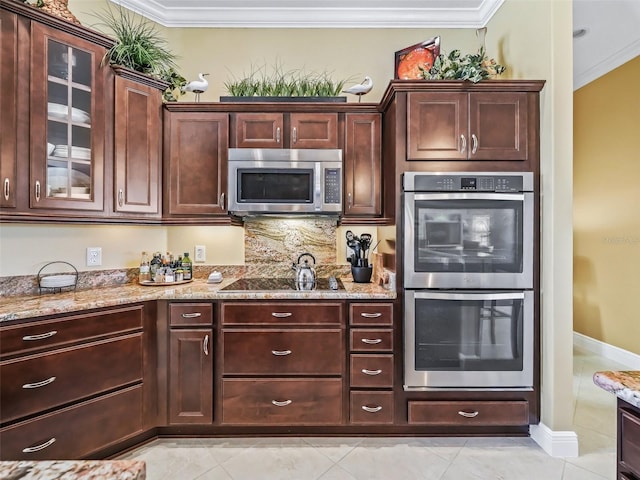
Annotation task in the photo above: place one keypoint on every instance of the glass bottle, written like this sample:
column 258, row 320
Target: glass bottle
column 144, row 274
column 187, row 267
column 155, row 264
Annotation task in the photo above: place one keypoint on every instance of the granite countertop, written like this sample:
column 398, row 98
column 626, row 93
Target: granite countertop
column 73, row 470
column 624, row 384
column 22, row 307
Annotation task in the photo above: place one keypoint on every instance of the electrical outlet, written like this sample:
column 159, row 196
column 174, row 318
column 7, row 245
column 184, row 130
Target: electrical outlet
column 94, row 256
column 200, row 253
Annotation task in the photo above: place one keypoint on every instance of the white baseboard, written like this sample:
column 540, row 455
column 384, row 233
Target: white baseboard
column 556, row 444
column 610, row 352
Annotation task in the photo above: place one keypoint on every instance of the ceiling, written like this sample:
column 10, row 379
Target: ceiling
column 612, row 34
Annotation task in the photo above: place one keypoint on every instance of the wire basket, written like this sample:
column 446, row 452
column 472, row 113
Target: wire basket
column 57, row 282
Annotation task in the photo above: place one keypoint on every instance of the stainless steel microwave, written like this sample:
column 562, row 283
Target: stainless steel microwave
column 285, row 181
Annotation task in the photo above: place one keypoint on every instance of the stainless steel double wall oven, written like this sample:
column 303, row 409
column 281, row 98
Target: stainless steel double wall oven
column 468, row 280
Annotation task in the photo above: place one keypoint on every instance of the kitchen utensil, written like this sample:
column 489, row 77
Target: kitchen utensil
column 305, row 273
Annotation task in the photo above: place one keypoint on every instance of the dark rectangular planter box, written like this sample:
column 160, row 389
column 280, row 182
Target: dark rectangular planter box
column 283, row 99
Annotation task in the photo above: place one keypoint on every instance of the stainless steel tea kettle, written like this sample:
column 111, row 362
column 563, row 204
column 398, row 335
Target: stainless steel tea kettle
column 305, row 273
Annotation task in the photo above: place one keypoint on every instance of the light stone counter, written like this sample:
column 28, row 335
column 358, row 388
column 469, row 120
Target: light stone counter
column 21, row 307
column 623, row 384
column 73, row 470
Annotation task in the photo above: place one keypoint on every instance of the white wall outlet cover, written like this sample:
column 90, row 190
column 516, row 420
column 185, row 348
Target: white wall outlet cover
column 94, row 256
column 200, row 253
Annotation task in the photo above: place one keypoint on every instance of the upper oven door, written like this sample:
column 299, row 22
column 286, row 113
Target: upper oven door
column 468, row 240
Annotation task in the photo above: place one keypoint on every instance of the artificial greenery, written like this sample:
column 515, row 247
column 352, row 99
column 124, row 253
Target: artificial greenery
column 140, row 47
column 295, row 83
column 472, row 67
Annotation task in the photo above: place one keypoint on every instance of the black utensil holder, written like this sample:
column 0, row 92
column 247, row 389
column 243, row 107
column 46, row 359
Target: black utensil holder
column 361, row 274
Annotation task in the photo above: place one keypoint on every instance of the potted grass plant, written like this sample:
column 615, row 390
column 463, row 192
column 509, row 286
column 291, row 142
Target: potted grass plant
column 140, row 47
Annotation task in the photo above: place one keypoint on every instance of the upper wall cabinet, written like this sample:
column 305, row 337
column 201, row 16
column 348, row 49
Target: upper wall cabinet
column 467, row 126
column 285, row 130
column 9, row 110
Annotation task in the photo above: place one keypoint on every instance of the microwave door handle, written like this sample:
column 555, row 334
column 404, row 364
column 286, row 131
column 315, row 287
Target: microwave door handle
column 317, row 194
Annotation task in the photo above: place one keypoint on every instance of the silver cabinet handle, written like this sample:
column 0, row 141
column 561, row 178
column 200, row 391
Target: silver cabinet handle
column 281, row 404
column 349, row 200
column 6, row 188
column 120, row 197
column 463, row 143
column 281, row 314
column 474, row 145
column 39, row 384
column 37, row 193
column 371, row 315
column 371, row 372
column 281, row 353
column 40, row 336
column 222, row 200
column 371, row 409
column 468, row 414
column 42, row 446
column 371, row 341
column 278, row 135
column 295, row 135
column 205, row 344
column 191, row 315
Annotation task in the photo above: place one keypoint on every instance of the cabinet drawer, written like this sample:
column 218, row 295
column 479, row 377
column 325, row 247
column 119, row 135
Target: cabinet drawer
column 371, row 407
column 469, row 413
column 371, row 314
column 371, row 370
column 190, row 314
column 43, row 381
column 76, row 432
column 282, row 313
column 283, row 352
column 629, row 434
column 371, row 339
column 282, row 402
column 37, row 335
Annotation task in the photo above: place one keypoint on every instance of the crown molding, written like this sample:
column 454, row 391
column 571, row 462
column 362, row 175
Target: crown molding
column 308, row 14
column 622, row 56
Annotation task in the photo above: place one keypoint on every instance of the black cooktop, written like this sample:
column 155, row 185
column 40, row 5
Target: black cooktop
column 270, row 284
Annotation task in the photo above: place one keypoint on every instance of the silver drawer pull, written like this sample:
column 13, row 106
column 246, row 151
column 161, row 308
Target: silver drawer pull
column 7, row 189
column 205, row 344
column 371, row 372
column 40, row 336
column 39, row 384
column 281, row 353
column 42, row 446
column 371, row 341
column 191, row 315
column 281, row 404
column 371, row 409
column 281, row 314
column 468, row 414
column 370, row 315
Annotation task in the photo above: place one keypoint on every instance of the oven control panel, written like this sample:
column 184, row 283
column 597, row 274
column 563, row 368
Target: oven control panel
column 468, row 182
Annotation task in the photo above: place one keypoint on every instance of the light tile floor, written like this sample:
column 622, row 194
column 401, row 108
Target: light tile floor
column 448, row 458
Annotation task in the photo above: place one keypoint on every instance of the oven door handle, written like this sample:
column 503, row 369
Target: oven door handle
column 469, row 296
column 471, row 196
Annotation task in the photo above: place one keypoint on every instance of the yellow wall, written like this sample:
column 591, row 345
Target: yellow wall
column 607, row 195
column 531, row 37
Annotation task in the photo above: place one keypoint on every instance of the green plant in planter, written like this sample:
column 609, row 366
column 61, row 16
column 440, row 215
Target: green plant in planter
column 472, row 67
column 296, row 83
column 140, row 47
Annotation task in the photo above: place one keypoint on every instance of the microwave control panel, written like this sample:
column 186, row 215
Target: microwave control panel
column 332, row 180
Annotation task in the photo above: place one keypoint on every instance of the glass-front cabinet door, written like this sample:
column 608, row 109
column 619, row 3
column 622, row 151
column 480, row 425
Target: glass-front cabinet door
column 67, row 122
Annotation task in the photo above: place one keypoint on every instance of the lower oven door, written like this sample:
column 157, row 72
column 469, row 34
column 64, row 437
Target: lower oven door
column 471, row 339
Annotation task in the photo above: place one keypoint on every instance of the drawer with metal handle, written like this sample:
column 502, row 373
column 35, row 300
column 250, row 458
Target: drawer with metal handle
column 283, row 352
column 371, row 407
column 371, row 339
column 480, row 413
column 281, row 313
column 371, row 370
column 307, row 401
column 190, row 314
column 371, row 314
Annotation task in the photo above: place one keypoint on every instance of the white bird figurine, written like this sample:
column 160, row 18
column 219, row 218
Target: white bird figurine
column 361, row 89
column 197, row 86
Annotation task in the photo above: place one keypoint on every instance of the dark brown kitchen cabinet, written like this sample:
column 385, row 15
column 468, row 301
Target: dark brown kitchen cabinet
column 285, row 130
column 9, row 111
column 195, row 164
column 628, row 448
column 191, row 363
column 137, row 144
column 445, row 125
column 362, row 165
column 47, row 412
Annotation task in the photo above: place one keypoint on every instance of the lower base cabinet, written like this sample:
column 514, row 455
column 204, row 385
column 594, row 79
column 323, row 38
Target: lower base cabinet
column 469, row 413
column 78, row 431
column 628, row 441
column 373, row 408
